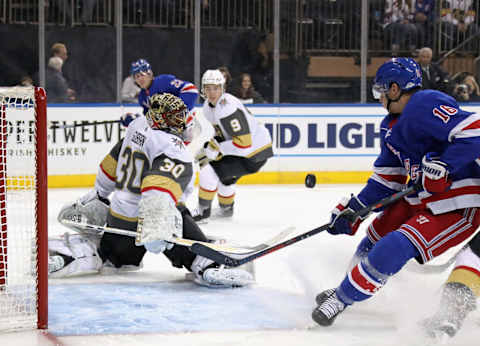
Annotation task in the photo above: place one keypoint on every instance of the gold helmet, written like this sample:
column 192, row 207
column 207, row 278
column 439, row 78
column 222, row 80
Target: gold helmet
column 167, row 112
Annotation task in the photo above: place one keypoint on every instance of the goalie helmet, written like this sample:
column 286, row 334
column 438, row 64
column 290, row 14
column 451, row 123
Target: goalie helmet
column 139, row 66
column 167, row 112
column 403, row 71
column 212, row 77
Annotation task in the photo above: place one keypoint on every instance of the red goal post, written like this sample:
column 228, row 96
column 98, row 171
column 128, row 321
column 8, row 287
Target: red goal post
column 23, row 209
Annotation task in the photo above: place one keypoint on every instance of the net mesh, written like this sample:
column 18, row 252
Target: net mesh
column 18, row 233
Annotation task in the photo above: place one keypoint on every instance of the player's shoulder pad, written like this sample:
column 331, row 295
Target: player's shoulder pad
column 170, row 145
column 228, row 104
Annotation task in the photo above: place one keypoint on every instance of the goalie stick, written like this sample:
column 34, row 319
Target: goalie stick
column 235, row 260
column 182, row 241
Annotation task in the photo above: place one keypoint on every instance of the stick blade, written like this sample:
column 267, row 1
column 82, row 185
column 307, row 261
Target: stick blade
column 214, row 255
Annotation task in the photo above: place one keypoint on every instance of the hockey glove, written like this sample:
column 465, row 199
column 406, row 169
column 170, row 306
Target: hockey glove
column 209, row 152
column 127, row 118
column 434, row 174
column 341, row 221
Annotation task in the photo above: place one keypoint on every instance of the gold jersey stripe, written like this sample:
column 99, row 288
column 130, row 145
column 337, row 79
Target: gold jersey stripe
column 226, row 200
column 243, row 141
column 259, row 150
column 467, row 277
column 163, row 183
column 109, row 166
column 123, row 217
column 206, row 194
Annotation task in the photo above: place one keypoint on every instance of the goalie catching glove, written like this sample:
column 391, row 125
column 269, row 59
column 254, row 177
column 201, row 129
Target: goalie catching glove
column 209, row 152
column 91, row 209
column 341, row 222
column 159, row 221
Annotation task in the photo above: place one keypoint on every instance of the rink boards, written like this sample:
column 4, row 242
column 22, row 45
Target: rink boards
column 338, row 143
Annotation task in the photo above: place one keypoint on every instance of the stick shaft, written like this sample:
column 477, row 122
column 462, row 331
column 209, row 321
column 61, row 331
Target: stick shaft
column 236, row 261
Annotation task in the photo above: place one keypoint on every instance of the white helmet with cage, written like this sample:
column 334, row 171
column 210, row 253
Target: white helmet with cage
column 214, row 77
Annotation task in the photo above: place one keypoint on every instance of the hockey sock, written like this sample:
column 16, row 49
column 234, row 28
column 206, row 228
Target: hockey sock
column 362, row 251
column 385, row 259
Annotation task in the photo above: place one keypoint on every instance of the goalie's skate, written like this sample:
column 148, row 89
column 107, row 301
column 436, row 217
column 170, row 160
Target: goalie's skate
column 329, row 307
column 226, row 277
column 201, row 214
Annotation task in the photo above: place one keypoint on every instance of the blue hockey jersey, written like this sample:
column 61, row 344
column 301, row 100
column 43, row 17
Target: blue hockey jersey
column 431, row 121
column 167, row 83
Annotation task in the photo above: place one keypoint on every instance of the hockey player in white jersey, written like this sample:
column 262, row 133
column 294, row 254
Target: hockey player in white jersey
column 137, row 188
column 240, row 146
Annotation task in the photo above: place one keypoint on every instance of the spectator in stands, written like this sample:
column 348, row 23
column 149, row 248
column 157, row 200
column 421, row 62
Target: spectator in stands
column 56, row 85
column 458, row 23
column 59, row 50
column 226, row 74
column 424, row 20
column 433, row 77
column 245, row 92
column 87, row 8
column 252, row 54
column 26, row 81
column 130, row 90
column 399, row 26
column 465, row 87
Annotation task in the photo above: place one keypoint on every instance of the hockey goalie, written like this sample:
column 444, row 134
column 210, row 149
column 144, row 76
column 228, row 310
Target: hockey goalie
column 141, row 186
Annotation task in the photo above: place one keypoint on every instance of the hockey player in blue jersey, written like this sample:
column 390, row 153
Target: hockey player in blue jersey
column 142, row 73
column 425, row 138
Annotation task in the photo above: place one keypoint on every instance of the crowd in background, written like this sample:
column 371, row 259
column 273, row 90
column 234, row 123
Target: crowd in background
column 424, row 29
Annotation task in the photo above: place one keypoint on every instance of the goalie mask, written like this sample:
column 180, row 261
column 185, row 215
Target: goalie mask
column 167, row 113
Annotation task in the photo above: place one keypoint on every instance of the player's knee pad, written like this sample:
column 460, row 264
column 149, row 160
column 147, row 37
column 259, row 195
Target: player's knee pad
column 208, row 178
column 391, row 253
column 82, row 249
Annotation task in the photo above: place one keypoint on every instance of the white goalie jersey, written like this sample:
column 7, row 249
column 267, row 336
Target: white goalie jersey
column 236, row 130
column 145, row 162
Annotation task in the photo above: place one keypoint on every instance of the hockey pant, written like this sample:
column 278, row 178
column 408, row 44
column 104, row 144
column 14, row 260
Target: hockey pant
column 220, row 177
column 400, row 233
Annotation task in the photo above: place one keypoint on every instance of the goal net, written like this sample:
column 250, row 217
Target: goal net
column 23, row 209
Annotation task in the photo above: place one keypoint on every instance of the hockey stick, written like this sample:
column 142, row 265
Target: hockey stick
column 237, row 260
column 182, row 241
column 52, row 125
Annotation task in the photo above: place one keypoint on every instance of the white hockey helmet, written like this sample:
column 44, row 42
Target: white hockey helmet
column 214, row 77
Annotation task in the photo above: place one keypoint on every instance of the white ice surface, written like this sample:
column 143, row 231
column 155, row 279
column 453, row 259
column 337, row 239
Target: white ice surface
column 287, row 283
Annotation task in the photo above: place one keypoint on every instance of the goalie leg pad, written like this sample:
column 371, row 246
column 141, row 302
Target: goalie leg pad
column 83, row 251
column 208, row 274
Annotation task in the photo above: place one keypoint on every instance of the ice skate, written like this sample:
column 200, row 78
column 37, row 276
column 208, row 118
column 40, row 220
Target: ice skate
column 329, row 307
column 223, row 212
column 201, row 214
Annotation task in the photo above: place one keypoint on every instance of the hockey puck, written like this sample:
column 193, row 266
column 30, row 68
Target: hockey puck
column 310, row 181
